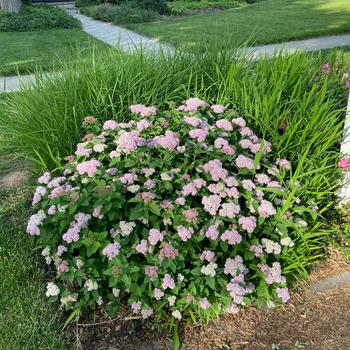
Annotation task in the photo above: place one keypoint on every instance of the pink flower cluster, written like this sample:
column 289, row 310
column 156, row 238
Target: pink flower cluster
column 143, row 111
column 80, row 221
column 192, row 105
column 111, row 250
column 180, row 197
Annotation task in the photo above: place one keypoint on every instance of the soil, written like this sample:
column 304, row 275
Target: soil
column 311, row 321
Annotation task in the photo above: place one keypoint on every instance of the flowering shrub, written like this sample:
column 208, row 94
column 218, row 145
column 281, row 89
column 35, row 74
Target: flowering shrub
column 176, row 211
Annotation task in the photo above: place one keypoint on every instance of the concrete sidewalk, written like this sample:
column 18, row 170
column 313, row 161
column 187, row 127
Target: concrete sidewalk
column 128, row 40
column 116, row 36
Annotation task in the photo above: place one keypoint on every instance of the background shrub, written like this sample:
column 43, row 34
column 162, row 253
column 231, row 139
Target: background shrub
column 127, row 12
column 39, row 17
column 182, row 7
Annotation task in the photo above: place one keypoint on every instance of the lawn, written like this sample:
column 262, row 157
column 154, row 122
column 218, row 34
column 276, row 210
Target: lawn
column 27, row 321
column 265, row 22
column 27, row 51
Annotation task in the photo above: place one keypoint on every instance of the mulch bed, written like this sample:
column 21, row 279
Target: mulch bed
column 310, row 321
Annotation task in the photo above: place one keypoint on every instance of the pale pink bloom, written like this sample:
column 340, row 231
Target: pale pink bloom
column 232, row 192
column 185, row 233
column 38, row 195
column 193, row 121
column 248, row 185
column 158, row 293
column 248, row 223
column 97, row 212
column 231, row 181
column 34, row 223
column 99, row 148
column 136, row 306
column 88, row 166
column 191, row 215
column 143, row 124
column 273, row 274
column 224, row 124
column 257, row 250
column 211, row 203
column 146, row 313
column 208, row 255
column 149, row 184
column 113, row 154
column 61, row 249
column 199, row 134
column 244, row 162
column 110, row 124
column 218, row 109
column 204, row 303
column 192, row 105
column 215, row 169
column 142, row 247
column 266, row 209
column 155, row 236
column 168, row 282
column 326, row 68
column 128, row 178
column 147, row 196
column 151, row 272
column 246, row 131
column 169, row 141
column 45, row 178
column 212, row 232
column 129, row 141
column 63, row 267
column 168, row 251
column 229, row 210
column 232, row 237
column 239, row 122
column 283, row 293
column 180, row 201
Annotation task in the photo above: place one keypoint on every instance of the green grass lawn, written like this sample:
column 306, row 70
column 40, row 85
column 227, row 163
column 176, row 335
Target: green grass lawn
column 265, row 22
column 27, row 51
column 27, row 320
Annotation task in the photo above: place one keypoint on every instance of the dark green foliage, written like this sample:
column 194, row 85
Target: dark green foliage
column 33, row 18
column 127, row 12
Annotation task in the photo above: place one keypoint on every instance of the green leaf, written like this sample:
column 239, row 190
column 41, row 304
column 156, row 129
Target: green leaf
column 93, row 248
column 211, row 282
column 129, row 163
column 137, row 212
column 154, row 209
column 127, row 281
column 224, row 246
column 70, row 318
column 196, row 271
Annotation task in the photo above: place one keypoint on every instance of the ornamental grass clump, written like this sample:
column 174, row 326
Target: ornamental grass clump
column 177, row 212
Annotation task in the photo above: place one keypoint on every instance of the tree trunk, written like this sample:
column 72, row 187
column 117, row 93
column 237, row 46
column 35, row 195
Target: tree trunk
column 11, row 5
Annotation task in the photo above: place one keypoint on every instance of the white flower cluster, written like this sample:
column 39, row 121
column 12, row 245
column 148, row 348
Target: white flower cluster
column 90, row 285
column 287, row 241
column 271, row 246
column 52, row 290
column 209, row 270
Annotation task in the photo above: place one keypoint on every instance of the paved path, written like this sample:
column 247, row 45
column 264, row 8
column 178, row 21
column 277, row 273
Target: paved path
column 117, row 36
column 128, row 40
column 314, row 44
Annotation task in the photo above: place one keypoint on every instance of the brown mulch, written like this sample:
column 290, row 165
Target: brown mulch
column 310, row 321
